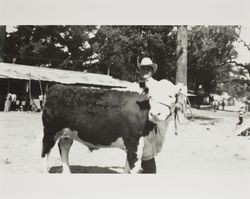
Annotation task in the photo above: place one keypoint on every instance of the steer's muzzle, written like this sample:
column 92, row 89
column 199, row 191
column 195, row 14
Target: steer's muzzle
column 159, row 112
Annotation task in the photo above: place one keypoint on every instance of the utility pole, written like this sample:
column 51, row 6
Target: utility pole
column 2, row 41
column 181, row 62
column 181, row 71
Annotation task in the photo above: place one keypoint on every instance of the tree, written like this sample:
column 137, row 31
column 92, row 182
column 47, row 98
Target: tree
column 181, row 52
column 118, row 48
column 237, row 88
column 2, row 41
column 209, row 47
column 64, row 47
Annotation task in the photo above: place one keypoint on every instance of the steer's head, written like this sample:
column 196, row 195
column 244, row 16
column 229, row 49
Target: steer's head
column 162, row 101
column 159, row 112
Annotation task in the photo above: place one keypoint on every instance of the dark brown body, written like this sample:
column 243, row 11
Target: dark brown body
column 100, row 116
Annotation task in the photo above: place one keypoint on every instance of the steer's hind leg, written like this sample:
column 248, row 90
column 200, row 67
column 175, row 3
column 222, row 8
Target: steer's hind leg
column 64, row 145
column 134, row 155
column 47, row 144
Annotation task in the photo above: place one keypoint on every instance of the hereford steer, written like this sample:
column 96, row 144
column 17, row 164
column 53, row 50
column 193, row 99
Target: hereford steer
column 102, row 118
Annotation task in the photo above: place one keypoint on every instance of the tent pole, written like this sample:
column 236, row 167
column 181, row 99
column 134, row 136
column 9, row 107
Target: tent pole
column 8, row 86
column 30, row 88
column 44, row 98
column 41, row 88
column 40, row 83
column 47, row 87
column 31, row 102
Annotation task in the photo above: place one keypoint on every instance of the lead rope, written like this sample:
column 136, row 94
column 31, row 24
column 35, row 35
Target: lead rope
column 176, row 117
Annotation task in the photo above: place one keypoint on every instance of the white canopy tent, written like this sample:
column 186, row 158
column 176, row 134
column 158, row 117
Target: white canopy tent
column 24, row 72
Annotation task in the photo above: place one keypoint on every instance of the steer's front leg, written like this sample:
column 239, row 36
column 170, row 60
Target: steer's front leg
column 134, row 156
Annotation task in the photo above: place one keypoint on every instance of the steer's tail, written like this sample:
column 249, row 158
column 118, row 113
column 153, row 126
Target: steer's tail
column 48, row 142
column 49, row 131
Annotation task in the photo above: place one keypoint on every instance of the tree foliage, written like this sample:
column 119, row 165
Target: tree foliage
column 237, row 88
column 119, row 47
column 2, row 41
column 209, row 48
column 62, row 47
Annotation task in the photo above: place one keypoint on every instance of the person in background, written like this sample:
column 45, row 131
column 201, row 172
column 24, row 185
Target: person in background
column 7, row 104
column 241, row 114
column 40, row 97
column 18, row 105
column 223, row 104
column 215, row 105
column 13, row 102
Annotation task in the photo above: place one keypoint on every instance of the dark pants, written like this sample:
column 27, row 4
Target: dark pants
column 148, row 166
column 240, row 121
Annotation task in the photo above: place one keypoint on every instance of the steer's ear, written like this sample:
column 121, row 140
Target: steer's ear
column 143, row 105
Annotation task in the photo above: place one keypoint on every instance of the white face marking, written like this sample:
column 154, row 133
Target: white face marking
column 158, row 112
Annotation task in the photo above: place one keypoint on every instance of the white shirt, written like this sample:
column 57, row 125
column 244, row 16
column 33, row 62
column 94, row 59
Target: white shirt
column 152, row 86
column 153, row 143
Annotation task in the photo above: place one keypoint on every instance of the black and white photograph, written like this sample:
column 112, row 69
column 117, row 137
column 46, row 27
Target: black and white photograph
column 153, row 99
column 125, row 99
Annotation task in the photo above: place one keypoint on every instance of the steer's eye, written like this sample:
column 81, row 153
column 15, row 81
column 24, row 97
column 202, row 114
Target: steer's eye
column 170, row 96
column 158, row 113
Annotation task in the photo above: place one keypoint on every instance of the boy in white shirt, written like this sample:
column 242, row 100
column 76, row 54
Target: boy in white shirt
column 241, row 114
column 147, row 69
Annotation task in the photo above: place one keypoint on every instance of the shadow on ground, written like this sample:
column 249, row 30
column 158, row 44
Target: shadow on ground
column 85, row 169
column 201, row 117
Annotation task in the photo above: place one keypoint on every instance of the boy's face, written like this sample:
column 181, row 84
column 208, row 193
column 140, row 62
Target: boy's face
column 146, row 72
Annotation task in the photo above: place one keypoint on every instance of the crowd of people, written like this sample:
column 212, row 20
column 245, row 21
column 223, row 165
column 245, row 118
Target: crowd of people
column 15, row 103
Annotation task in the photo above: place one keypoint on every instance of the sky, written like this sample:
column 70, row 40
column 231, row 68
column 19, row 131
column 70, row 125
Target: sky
column 243, row 52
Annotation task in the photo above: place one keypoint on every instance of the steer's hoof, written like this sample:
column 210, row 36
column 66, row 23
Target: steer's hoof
column 136, row 171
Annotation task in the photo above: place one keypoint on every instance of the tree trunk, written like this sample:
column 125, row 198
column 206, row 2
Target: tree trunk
column 181, row 71
column 181, row 51
column 2, row 41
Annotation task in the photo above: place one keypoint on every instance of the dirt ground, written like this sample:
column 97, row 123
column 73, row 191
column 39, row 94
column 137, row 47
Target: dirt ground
column 206, row 145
